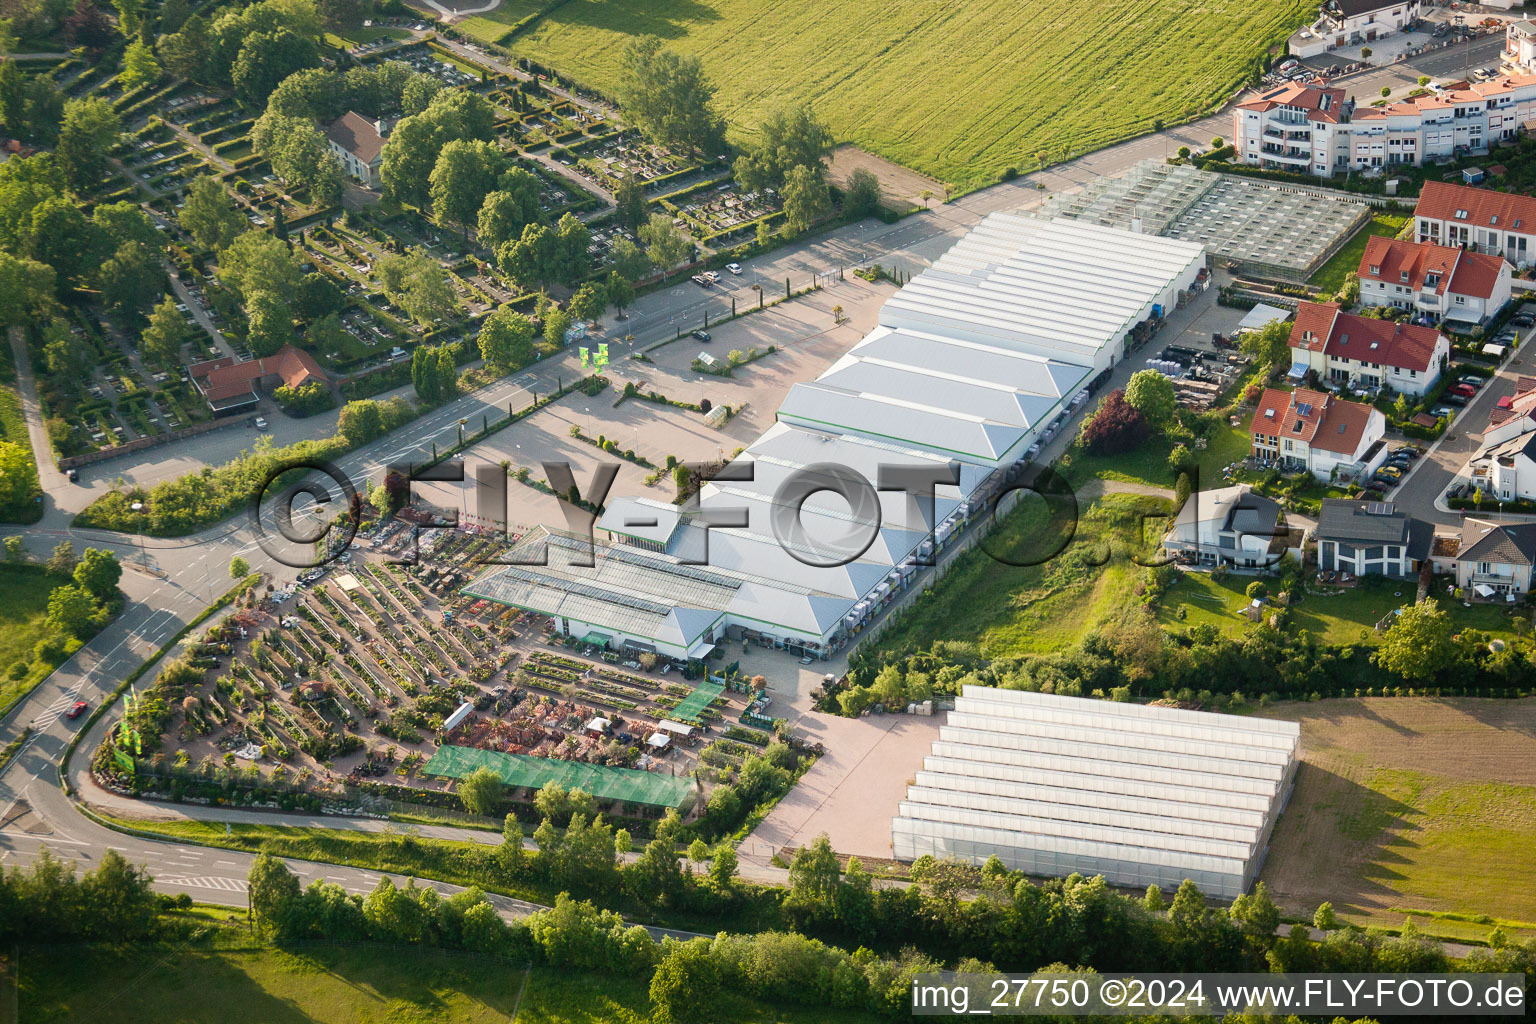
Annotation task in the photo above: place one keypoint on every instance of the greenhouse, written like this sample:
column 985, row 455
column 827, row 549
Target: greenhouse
column 1139, row 794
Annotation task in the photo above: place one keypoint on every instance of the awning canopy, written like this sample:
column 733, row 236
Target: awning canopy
column 1262, row 316
column 657, row 740
column 1483, row 590
column 667, row 725
column 596, row 639
column 1298, row 370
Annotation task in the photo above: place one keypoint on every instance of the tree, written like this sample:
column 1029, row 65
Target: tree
column 512, row 207
column 63, row 238
column 210, row 214
column 19, row 487
column 269, row 322
column 1386, row 91
column 265, row 59
column 506, row 339
column 481, row 792
column 70, row 610
column 464, row 175
column 1153, row 901
column 239, row 568
column 26, row 285
column 1218, row 142
column 274, row 891
column 419, row 285
column 1115, row 427
column 556, row 323
column 87, row 26
column 130, row 283
column 1152, row 395
column 533, row 259
column 806, row 198
column 722, row 866
column 861, row 195
column 139, row 66
column 589, row 302
column 98, row 572
column 63, row 560
column 431, row 383
column 413, row 149
column 572, row 261
column 813, row 874
column 185, row 52
column 665, row 245
column 792, row 136
column 1270, row 344
column 257, row 263
column 299, row 155
column 1180, row 459
column 363, row 421
column 684, row 984
column 629, row 261
column 1324, row 919
column 1256, row 915
column 618, row 291
column 629, row 202
column 340, row 14
column 1418, row 646
column 669, row 98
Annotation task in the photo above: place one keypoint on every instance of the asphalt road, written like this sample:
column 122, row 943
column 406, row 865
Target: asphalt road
column 189, row 571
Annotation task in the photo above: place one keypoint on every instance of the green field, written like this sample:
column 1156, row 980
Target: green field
column 959, row 90
column 360, row 36
column 320, row 984
column 26, row 589
column 1011, row 610
column 1330, row 276
column 495, row 26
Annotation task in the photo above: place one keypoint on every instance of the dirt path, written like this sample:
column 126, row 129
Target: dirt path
column 1098, row 488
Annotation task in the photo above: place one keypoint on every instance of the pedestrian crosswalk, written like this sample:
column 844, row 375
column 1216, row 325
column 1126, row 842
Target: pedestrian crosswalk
column 51, row 713
column 208, row 882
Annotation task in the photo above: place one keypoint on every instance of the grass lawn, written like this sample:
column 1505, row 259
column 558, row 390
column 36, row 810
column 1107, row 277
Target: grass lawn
column 320, row 984
column 1330, row 276
column 1341, row 617
column 1149, row 463
column 1011, row 610
column 360, row 36
column 495, row 26
column 902, row 81
column 1412, row 806
column 13, row 428
column 26, row 589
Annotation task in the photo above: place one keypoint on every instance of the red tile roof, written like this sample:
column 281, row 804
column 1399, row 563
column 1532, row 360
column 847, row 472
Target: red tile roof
column 1483, row 207
column 220, row 379
column 1320, row 102
column 1321, row 327
column 1455, row 270
column 1315, row 417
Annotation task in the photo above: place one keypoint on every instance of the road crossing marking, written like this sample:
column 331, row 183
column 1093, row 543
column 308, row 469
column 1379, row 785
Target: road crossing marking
column 209, row 882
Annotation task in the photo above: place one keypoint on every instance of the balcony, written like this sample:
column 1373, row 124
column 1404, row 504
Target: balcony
column 1494, row 579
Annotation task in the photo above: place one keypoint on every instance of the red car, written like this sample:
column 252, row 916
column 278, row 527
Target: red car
column 1464, row 390
column 76, row 710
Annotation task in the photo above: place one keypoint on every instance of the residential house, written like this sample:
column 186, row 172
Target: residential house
column 230, row 386
column 357, row 143
column 1506, row 470
column 1371, row 538
column 1362, row 352
column 1351, row 23
column 1317, row 432
column 1228, row 526
column 1514, row 415
column 1495, row 558
column 1520, row 46
column 1439, row 281
column 1501, row 223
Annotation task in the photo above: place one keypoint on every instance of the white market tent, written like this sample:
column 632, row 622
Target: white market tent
column 657, row 740
column 598, row 725
column 1141, row 795
column 1261, row 316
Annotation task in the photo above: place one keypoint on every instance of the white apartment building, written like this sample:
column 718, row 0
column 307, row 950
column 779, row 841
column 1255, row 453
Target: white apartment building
column 1500, row 223
column 1440, row 281
column 1359, row 351
column 1311, row 129
column 1351, row 23
column 1520, row 46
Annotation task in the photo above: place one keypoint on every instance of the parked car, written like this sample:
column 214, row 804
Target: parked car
column 76, row 709
column 702, row 335
column 1452, row 398
column 1408, row 450
column 1523, row 320
column 713, row 275
column 1442, row 410
column 734, row 268
column 702, row 281
column 1471, row 380
column 1464, row 390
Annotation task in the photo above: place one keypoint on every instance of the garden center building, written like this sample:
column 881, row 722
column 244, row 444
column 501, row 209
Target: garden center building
column 1142, row 795
column 974, row 363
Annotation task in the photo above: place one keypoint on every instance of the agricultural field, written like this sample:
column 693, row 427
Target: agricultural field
column 1412, row 806
column 322, row 984
column 960, row 91
column 495, row 26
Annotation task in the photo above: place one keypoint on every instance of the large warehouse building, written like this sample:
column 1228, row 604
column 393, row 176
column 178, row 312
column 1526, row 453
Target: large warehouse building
column 974, row 362
column 1141, row 795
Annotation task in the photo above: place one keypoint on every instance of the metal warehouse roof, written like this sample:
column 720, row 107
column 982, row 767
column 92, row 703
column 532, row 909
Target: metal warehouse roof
column 1140, row 794
column 1058, row 287
column 948, row 356
column 963, row 435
